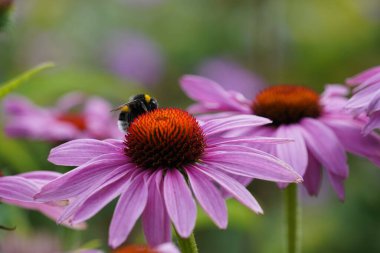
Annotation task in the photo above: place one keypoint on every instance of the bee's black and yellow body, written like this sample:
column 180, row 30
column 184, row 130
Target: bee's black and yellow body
column 136, row 106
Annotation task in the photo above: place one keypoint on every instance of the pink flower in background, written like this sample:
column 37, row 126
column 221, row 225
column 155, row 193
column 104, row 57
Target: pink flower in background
column 322, row 130
column 135, row 58
column 73, row 117
column 149, row 169
column 19, row 191
column 231, row 76
column 366, row 98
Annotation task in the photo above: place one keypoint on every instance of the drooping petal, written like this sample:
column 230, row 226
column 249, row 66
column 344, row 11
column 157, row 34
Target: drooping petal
column 294, row 153
column 249, row 162
column 155, row 219
column 80, row 179
column 128, row 209
column 78, row 152
column 232, row 186
column 208, row 197
column 331, row 153
column 313, row 176
column 338, row 184
column 179, row 203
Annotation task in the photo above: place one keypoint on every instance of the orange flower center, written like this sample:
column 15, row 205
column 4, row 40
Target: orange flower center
column 287, row 104
column 164, row 138
column 134, row 249
column 76, row 120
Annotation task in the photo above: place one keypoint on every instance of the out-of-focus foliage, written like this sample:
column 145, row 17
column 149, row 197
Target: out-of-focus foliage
column 9, row 86
column 291, row 41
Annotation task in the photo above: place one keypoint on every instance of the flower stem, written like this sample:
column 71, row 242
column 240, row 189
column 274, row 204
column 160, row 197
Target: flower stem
column 187, row 245
column 293, row 215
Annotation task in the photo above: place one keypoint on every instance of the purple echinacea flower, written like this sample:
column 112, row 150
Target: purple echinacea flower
column 63, row 122
column 322, row 130
column 19, row 190
column 366, row 98
column 166, row 156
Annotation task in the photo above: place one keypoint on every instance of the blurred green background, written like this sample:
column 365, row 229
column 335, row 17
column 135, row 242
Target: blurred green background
column 280, row 41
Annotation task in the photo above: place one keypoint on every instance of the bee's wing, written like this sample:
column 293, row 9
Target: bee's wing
column 118, row 108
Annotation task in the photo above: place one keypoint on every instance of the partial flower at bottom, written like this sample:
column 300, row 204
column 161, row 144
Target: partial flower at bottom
column 166, row 157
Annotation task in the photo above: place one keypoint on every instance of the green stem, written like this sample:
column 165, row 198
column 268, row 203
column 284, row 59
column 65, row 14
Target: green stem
column 187, row 245
column 293, row 216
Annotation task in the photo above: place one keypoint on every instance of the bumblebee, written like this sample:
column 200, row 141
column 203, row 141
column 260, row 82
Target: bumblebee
column 136, row 106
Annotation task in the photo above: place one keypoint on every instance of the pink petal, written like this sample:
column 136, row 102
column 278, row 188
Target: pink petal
column 363, row 76
column 220, row 125
column 232, row 186
column 80, row 179
column 128, row 209
column 360, row 100
column 155, row 219
column 208, row 197
column 249, row 162
column 98, row 185
column 374, row 105
column 78, row 152
column 43, row 175
column 17, row 188
column 101, row 197
column 348, row 131
column 179, row 202
column 98, row 117
column 253, row 140
column 331, row 153
column 295, row 153
column 374, row 122
column 338, row 184
column 313, row 176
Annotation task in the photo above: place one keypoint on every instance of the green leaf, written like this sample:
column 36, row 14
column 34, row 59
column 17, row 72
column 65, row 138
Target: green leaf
column 14, row 83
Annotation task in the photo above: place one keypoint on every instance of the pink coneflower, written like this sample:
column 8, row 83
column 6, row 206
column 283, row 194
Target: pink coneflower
column 165, row 155
column 72, row 117
column 322, row 131
column 366, row 97
column 19, row 191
